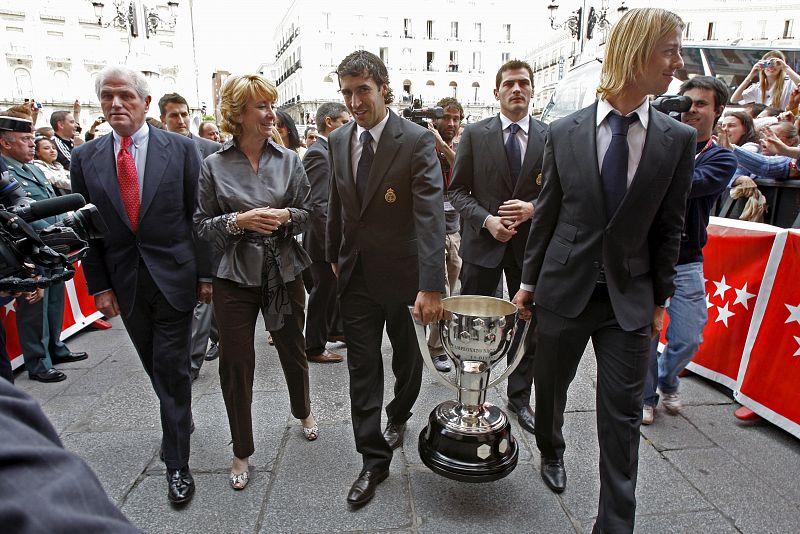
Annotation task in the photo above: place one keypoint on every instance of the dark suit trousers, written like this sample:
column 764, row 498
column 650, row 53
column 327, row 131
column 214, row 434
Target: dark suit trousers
column 364, row 319
column 237, row 309
column 477, row 280
column 322, row 308
column 622, row 359
column 39, row 326
column 161, row 335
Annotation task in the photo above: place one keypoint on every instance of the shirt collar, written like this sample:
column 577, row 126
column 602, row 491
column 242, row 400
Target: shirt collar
column 139, row 136
column 523, row 123
column 604, row 108
column 376, row 130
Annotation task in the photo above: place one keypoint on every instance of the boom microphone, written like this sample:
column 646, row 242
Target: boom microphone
column 52, row 206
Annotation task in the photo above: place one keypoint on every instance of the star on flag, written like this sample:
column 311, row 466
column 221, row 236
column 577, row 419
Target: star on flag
column 10, row 307
column 742, row 296
column 724, row 314
column 722, row 287
column 794, row 313
column 797, row 352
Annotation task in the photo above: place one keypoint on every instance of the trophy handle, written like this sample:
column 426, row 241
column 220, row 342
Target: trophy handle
column 521, row 343
column 422, row 341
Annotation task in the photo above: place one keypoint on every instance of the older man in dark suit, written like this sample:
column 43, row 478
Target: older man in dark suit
column 496, row 180
column 608, row 228
column 144, row 183
column 323, row 319
column 174, row 111
column 385, row 237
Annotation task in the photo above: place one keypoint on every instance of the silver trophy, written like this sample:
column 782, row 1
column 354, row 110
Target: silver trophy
column 470, row 439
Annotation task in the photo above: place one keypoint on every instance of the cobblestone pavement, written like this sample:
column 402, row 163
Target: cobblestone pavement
column 703, row 471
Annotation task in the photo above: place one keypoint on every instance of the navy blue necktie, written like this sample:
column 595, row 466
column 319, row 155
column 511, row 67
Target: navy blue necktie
column 614, row 173
column 513, row 153
column 364, row 165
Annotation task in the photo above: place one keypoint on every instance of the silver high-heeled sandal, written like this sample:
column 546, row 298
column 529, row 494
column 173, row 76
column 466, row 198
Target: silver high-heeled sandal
column 311, row 433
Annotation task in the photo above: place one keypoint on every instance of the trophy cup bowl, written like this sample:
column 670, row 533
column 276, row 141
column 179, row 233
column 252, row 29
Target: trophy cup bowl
column 470, row 439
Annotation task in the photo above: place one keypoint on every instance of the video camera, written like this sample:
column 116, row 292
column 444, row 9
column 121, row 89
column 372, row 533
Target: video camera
column 672, row 105
column 417, row 114
column 56, row 247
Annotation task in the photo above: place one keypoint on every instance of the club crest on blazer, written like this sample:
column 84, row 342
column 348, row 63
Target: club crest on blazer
column 390, row 196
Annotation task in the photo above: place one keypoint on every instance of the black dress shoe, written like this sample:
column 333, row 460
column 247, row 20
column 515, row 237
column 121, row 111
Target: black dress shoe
column 363, row 489
column 442, row 363
column 554, row 474
column 71, row 357
column 180, row 485
column 51, row 375
column 527, row 419
column 213, row 352
column 394, row 434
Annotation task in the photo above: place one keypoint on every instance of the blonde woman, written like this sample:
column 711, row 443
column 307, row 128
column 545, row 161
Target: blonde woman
column 776, row 81
column 253, row 198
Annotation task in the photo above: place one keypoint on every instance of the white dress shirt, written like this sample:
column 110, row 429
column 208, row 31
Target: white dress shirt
column 138, row 150
column 355, row 142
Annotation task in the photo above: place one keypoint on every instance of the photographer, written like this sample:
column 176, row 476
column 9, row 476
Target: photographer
column 40, row 314
column 776, row 80
column 714, row 167
column 444, row 130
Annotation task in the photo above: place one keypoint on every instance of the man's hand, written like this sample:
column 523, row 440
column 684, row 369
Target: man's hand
column 106, row 302
column 521, row 300
column 204, row 292
column 518, row 210
column 658, row 321
column 34, row 296
column 428, row 307
column 498, row 229
column 261, row 220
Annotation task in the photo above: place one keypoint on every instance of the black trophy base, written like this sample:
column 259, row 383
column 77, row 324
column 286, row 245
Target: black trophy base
column 482, row 450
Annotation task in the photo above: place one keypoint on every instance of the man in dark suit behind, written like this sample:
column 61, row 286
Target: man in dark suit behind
column 144, row 183
column 385, row 239
column 174, row 111
column 496, row 180
column 608, row 227
column 323, row 319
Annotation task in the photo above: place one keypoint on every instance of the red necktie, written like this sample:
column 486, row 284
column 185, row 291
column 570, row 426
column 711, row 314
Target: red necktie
column 128, row 182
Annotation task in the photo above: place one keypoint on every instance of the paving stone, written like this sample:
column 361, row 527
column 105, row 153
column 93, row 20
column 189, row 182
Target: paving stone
column 582, row 391
column 42, row 391
column 323, row 507
column 211, row 448
column 696, row 390
column 104, row 376
column 330, row 391
column 689, row 523
column 63, row 411
column 132, row 405
column 214, row 508
column 764, row 448
column 736, row 491
column 674, row 432
column 118, row 458
column 517, row 503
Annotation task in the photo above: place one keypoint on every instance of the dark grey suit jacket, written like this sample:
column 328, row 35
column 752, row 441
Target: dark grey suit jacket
column 165, row 236
column 318, row 169
column 205, row 146
column 398, row 232
column 638, row 247
column 482, row 182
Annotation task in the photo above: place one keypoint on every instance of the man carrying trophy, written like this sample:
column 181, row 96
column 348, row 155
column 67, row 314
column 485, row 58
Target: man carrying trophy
column 608, row 226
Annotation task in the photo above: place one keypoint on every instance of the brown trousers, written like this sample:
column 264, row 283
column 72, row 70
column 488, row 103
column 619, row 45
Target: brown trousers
column 237, row 310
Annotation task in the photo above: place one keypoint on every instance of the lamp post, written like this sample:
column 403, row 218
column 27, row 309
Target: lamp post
column 126, row 17
column 581, row 23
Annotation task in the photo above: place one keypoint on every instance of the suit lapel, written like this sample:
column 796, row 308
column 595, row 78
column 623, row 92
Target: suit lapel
column 494, row 142
column 390, row 142
column 156, row 164
column 583, row 144
column 535, row 137
column 347, row 185
column 105, row 168
column 656, row 147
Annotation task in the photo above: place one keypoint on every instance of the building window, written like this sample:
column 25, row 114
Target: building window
column 24, row 88
column 407, row 58
column 476, row 61
column 58, row 35
column 787, row 29
column 453, row 65
column 688, row 31
column 429, row 58
column 429, row 29
column 454, row 86
column 384, row 26
column 329, row 53
column 384, row 53
column 407, row 28
column 507, row 32
column 762, row 29
column 476, row 86
column 505, row 56
column 478, row 28
column 454, row 29
column 710, row 32
column 326, row 21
